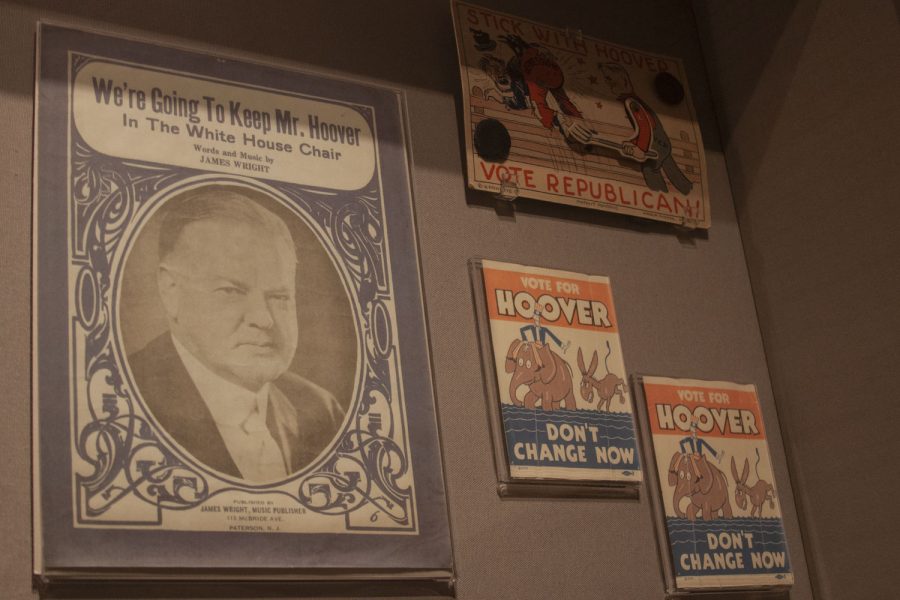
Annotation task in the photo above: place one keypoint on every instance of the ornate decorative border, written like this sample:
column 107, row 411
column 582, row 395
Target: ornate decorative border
column 126, row 457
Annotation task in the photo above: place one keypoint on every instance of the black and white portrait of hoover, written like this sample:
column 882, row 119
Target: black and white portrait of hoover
column 232, row 371
column 238, row 332
column 259, row 347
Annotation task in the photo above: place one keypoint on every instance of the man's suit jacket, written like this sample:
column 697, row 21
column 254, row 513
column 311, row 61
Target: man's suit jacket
column 302, row 417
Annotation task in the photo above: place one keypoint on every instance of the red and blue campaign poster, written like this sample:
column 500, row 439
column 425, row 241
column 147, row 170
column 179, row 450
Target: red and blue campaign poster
column 562, row 389
column 557, row 116
column 722, row 517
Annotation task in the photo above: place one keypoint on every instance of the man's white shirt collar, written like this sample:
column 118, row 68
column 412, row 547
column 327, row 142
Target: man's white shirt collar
column 231, row 406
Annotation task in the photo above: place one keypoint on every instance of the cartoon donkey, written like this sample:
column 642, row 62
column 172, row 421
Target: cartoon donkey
column 758, row 493
column 606, row 388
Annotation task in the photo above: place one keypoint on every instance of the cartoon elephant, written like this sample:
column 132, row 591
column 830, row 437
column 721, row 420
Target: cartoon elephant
column 547, row 375
column 704, row 484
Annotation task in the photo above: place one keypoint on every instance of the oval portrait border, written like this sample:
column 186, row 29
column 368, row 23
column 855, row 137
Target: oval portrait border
column 117, row 267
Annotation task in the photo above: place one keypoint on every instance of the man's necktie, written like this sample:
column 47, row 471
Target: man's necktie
column 266, row 455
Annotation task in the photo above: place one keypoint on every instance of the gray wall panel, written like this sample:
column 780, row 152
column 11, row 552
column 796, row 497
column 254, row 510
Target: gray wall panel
column 684, row 301
column 807, row 98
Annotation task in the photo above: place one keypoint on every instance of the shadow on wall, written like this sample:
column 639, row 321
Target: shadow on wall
column 723, row 27
column 365, row 33
column 408, row 44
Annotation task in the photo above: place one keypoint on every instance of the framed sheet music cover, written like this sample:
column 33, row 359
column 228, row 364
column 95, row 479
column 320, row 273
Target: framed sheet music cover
column 563, row 422
column 231, row 369
column 558, row 116
column 718, row 514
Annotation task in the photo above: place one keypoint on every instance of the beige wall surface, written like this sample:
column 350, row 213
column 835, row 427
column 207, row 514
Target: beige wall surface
column 684, row 301
column 806, row 94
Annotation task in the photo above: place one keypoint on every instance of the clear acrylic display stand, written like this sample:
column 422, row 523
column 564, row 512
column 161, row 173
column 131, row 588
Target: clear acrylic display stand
column 507, row 484
column 651, row 468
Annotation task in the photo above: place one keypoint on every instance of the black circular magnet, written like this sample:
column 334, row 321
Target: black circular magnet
column 492, row 142
column 483, row 41
column 668, row 88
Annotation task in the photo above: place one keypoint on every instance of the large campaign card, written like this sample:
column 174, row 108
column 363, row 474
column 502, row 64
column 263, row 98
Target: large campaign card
column 720, row 518
column 231, row 364
column 558, row 116
column 565, row 413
